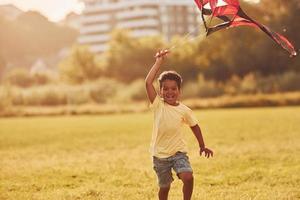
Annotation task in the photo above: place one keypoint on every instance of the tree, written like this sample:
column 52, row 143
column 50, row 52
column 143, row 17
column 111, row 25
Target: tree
column 2, row 66
column 129, row 58
column 183, row 58
column 242, row 50
column 282, row 17
column 80, row 66
column 19, row 77
column 32, row 36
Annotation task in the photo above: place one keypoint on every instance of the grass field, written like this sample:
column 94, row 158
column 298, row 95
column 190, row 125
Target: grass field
column 257, row 156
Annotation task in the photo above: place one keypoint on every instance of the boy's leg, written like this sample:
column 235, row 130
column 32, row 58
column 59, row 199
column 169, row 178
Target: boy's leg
column 188, row 184
column 163, row 193
column 185, row 173
column 163, row 169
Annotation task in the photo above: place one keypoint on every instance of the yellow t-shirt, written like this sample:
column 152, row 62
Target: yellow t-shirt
column 167, row 137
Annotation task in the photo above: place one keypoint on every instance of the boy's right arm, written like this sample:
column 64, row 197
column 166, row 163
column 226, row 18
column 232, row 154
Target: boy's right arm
column 152, row 74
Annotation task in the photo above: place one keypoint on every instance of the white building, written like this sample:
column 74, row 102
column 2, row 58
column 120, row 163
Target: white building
column 142, row 17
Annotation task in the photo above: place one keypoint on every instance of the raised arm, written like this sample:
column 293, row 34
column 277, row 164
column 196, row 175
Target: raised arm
column 152, row 74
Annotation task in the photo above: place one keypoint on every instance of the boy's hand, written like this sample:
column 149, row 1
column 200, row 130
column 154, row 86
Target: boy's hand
column 160, row 55
column 207, row 151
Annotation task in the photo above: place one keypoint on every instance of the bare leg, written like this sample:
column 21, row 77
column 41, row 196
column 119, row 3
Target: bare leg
column 188, row 184
column 163, row 193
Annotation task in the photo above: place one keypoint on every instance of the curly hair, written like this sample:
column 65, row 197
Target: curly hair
column 170, row 75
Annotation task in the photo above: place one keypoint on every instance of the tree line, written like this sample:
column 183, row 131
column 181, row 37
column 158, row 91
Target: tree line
column 29, row 37
column 222, row 55
column 218, row 57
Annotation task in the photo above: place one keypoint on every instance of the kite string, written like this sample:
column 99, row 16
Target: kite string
column 187, row 38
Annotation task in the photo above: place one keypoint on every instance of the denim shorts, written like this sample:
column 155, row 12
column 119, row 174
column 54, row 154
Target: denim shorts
column 163, row 167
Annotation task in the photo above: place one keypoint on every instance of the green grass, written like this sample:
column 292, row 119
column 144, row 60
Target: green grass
column 257, row 156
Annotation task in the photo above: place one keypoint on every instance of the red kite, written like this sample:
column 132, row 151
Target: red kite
column 231, row 13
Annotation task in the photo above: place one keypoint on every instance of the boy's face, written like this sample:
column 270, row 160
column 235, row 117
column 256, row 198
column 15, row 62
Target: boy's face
column 170, row 92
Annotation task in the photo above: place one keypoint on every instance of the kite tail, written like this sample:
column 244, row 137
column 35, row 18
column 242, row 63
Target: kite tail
column 278, row 38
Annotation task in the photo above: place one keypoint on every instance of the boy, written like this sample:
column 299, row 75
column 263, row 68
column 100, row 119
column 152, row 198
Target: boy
column 168, row 147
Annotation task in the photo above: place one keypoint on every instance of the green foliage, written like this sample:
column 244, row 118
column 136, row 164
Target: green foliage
column 100, row 91
column 6, row 98
column 248, row 84
column 182, row 58
column 80, row 66
column 134, row 91
column 253, row 83
column 103, row 89
column 42, row 78
column 2, row 66
column 50, row 98
column 237, row 61
column 289, row 81
column 243, row 50
column 203, row 88
column 138, row 92
column 234, row 52
column 19, row 77
column 42, row 96
column 129, row 58
column 76, row 95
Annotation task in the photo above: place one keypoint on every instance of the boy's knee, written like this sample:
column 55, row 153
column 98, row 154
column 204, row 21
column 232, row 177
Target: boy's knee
column 186, row 177
column 164, row 189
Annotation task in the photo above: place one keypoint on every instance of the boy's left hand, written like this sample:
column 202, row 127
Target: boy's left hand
column 207, row 152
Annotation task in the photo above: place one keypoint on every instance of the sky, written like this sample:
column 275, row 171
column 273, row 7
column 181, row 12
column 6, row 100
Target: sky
column 55, row 10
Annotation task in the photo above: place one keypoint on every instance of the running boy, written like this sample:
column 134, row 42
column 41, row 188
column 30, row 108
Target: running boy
column 168, row 147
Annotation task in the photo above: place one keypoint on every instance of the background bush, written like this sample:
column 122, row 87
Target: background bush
column 104, row 90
